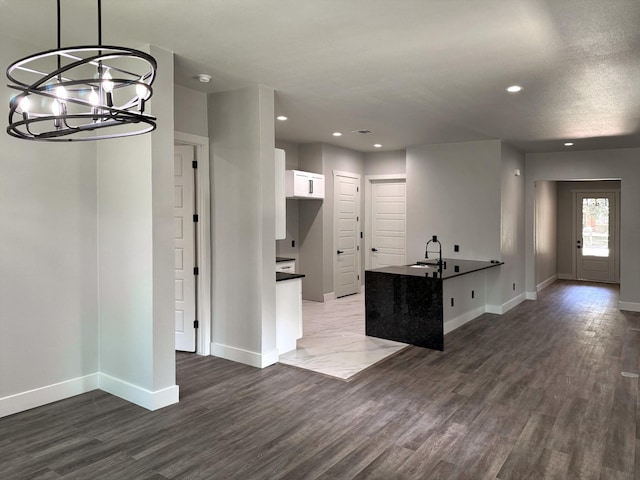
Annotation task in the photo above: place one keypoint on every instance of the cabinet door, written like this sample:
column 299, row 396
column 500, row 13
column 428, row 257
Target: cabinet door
column 281, row 203
column 301, row 186
column 317, row 183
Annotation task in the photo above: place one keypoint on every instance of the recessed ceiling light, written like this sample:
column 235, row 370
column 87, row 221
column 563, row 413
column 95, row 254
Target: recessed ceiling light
column 282, row 118
column 377, row 145
column 568, row 144
column 514, row 89
column 337, row 134
column 203, row 77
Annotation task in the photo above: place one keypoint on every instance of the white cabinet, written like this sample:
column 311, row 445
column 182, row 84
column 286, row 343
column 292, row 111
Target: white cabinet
column 304, row 185
column 281, row 201
column 288, row 314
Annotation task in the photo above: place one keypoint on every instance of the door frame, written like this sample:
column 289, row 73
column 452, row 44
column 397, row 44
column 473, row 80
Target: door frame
column 358, row 177
column 203, row 237
column 368, row 187
column 616, row 230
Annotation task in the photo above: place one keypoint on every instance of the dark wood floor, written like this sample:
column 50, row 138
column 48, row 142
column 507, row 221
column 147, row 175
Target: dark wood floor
column 535, row 393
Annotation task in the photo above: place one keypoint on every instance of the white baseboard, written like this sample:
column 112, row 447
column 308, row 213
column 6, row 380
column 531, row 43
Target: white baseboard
column 453, row 323
column 247, row 357
column 51, row 393
column 629, row 306
column 328, row 297
column 566, row 276
column 514, row 302
column 138, row 395
column 532, row 295
column 546, row 283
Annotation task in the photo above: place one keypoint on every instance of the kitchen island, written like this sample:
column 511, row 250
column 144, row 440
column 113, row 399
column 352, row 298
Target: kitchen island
column 407, row 303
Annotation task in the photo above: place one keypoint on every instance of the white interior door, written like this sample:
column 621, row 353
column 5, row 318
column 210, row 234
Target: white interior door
column 346, row 265
column 185, row 292
column 596, row 236
column 388, row 224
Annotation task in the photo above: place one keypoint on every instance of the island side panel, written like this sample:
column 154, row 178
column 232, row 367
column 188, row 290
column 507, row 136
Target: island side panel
column 404, row 308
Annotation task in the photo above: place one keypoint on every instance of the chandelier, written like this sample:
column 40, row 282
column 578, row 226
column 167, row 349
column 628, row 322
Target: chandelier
column 81, row 93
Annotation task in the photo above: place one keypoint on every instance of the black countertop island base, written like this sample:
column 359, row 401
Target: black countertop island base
column 405, row 303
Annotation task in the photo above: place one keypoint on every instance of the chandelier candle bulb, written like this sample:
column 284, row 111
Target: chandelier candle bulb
column 24, row 105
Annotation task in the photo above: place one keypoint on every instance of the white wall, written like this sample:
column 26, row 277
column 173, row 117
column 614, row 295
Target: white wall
column 512, row 230
column 136, row 256
column 454, row 191
column 545, row 232
column 69, row 221
column 190, row 113
column 623, row 164
column 385, row 163
column 48, row 269
column 311, row 225
column 241, row 133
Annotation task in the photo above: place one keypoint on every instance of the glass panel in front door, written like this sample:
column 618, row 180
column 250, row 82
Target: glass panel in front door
column 595, row 227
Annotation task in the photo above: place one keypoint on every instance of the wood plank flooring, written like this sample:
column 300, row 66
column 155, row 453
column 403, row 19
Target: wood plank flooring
column 535, row 393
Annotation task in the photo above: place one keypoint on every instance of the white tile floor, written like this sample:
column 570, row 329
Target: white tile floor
column 334, row 342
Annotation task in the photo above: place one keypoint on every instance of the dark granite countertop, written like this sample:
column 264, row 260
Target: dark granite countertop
column 280, row 276
column 284, row 259
column 454, row 268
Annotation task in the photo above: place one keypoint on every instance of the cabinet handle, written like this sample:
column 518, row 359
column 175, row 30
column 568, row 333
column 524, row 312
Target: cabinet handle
column 374, row 249
column 339, row 252
column 310, row 186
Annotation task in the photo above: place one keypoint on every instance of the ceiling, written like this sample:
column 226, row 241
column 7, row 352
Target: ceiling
column 411, row 71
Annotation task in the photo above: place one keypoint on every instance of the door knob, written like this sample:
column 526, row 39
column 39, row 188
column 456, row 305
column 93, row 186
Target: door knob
column 374, row 249
column 339, row 252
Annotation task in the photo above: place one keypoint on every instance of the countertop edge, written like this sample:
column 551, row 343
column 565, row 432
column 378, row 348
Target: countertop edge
column 282, row 276
column 471, row 266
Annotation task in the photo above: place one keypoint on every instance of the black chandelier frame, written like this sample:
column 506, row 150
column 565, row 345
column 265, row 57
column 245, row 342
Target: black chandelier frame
column 69, row 105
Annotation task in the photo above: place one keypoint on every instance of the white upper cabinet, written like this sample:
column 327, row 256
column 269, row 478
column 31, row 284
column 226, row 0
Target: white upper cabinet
column 281, row 201
column 304, row 185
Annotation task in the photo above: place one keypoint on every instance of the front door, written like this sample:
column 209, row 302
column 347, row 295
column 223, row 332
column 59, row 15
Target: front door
column 596, row 232
column 346, row 265
column 185, row 290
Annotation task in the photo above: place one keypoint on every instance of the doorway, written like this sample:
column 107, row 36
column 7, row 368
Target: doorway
column 596, row 232
column 202, row 239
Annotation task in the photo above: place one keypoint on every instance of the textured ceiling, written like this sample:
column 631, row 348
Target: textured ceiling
column 412, row 71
